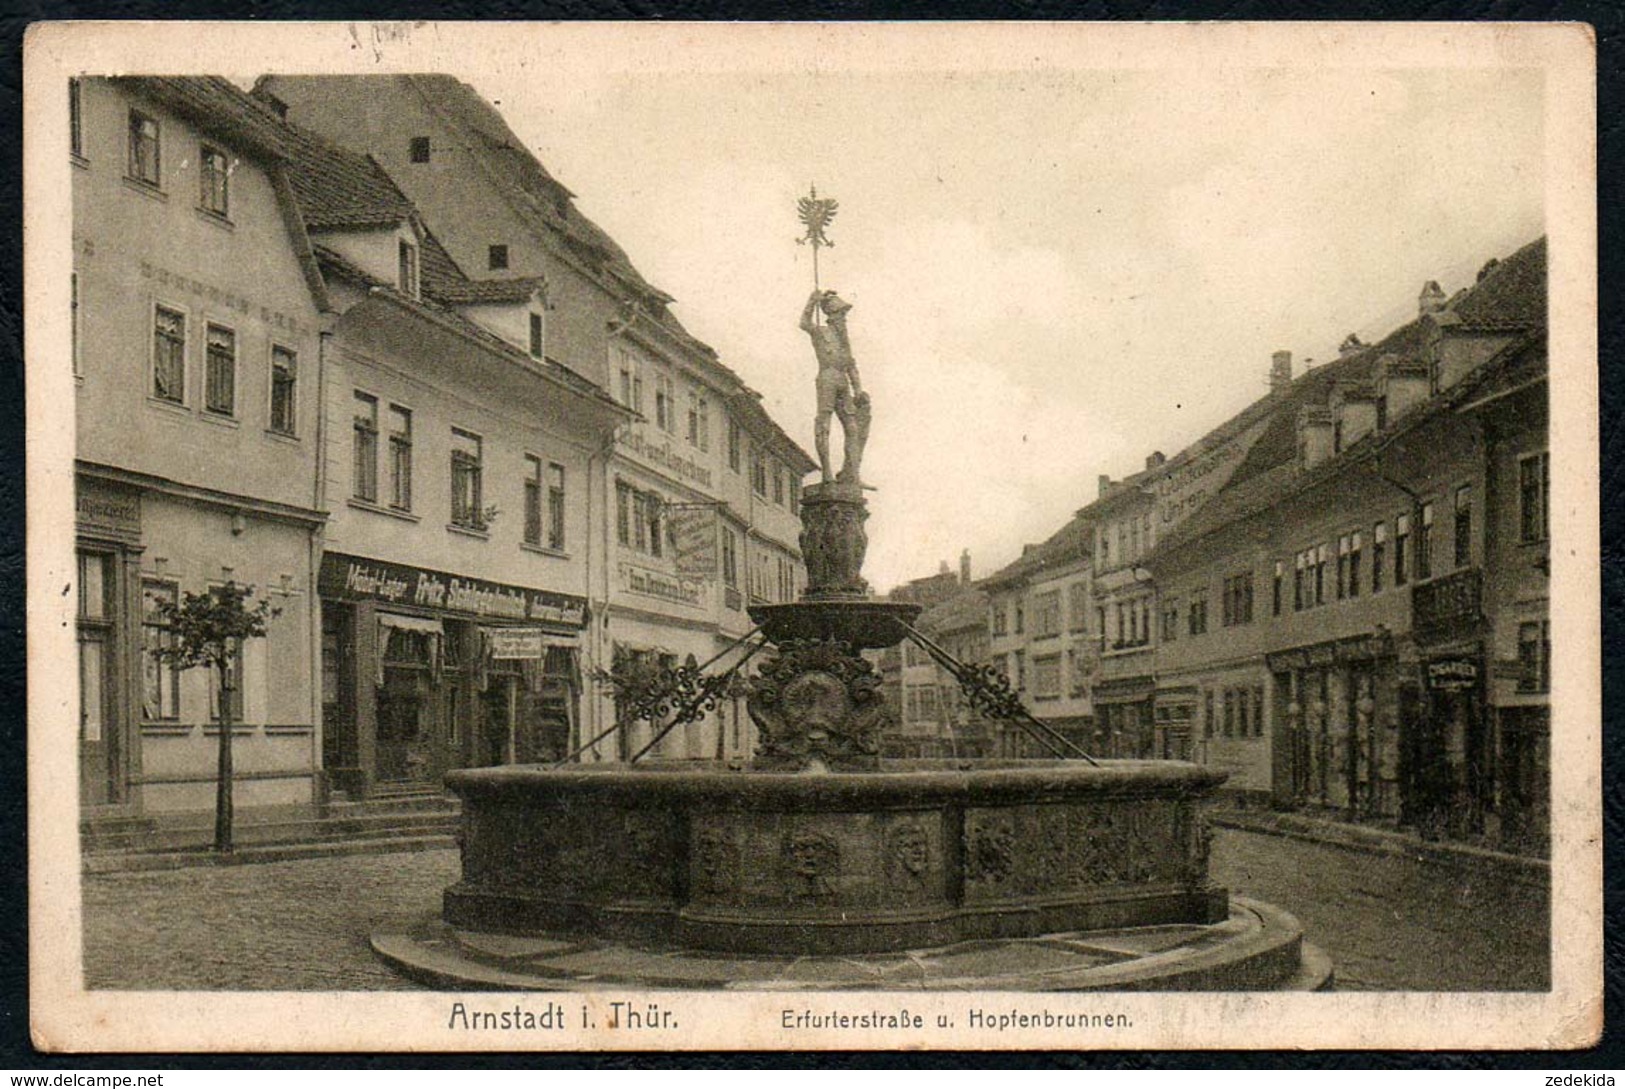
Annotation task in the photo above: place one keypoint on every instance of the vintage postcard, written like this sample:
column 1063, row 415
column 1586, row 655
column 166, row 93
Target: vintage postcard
column 812, row 536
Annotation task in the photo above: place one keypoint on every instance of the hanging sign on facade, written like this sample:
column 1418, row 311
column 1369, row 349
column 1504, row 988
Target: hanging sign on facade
column 1452, row 674
column 352, row 578
column 693, row 529
column 516, row 643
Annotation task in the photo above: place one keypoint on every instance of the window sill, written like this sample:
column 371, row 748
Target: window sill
column 468, row 531
column 543, row 550
column 389, row 512
column 221, row 221
column 282, row 436
column 220, row 420
column 165, row 728
column 146, row 189
column 177, row 408
column 1040, row 637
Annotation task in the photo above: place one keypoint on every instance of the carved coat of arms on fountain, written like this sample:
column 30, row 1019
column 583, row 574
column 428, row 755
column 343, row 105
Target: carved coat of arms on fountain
column 818, row 705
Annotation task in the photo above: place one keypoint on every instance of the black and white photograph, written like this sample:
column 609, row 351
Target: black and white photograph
column 812, row 536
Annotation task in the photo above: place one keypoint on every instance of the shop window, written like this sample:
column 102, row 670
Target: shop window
column 467, row 485
column 160, row 682
column 400, row 458
column 1534, row 657
column 144, row 164
column 365, row 441
column 1464, row 526
column 220, row 371
column 214, row 177
column 1534, row 494
column 169, row 355
column 284, row 390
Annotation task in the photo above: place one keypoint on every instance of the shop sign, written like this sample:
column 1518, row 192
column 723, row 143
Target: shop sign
column 633, row 441
column 523, row 643
column 693, row 529
column 1452, row 674
column 647, row 582
column 352, row 578
column 106, row 508
column 1336, row 652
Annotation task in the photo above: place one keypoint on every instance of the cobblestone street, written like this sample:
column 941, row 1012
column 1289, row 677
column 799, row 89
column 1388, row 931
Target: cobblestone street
column 1388, row 923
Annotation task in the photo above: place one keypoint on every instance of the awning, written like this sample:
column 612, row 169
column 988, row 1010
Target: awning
column 427, row 624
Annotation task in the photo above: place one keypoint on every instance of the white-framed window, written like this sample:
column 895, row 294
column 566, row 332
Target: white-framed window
column 284, row 390
column 623, row 513
column 555, row 505
column 665, row 407
column 160, row 682
column 1046, row 615
column 74, row 311
column 364, row 428
column 467, row 479
column 1534, row 498
column 407, row 271
column 538, row 335
column 169, row 354
column 400, row 458
column 76, row 121
column 730, row 557
column 214, row 181
column 533, row 500
column 220, row 370
column 145, row 165
column 778, row 485
column 629, row 370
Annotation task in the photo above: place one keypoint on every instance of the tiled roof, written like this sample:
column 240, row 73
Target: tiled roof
column 964, row 610
column 340, row 189
column 444, row 281
column 217, row 105
column 1072, row 541
column 336, row 264
column 1510, row 296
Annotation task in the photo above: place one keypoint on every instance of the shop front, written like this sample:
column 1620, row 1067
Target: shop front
column 425, row 671
column 1124, row 719
column 1456, row 761
column 1346, row 732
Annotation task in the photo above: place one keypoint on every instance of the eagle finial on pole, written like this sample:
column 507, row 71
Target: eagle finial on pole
column 815, row 214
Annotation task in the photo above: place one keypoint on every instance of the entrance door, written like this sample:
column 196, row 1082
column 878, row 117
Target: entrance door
column 405, row 728
column 101, row 780
column 496, row 722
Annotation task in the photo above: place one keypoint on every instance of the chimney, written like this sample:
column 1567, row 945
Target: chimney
column 942, row 567
column 1280, row 373
column 1352, row 345
column 1431, row 300
column 1154, row 459
column 1105, row 485
column 964, row 568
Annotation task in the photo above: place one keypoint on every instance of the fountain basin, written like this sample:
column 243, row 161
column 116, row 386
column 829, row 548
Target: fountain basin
column 917, row 854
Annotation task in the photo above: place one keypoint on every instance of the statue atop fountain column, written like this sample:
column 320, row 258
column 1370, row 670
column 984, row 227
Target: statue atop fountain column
column 840, row 390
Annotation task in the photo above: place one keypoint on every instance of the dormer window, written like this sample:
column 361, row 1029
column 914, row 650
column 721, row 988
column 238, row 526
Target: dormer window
column 496, row 256
column 420, row 149
column 407, row 279
column 537, row 338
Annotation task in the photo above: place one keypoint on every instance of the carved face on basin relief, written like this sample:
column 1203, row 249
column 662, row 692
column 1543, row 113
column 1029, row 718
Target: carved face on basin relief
column 815, row 705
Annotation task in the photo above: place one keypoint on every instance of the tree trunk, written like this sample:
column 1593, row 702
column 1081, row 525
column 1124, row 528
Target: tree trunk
column 223, row 793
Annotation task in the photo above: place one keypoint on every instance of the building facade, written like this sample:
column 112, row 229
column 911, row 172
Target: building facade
column 694, row 512
column 197, row 327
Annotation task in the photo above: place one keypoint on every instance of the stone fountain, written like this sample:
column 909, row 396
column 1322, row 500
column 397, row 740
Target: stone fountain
column 822, row 865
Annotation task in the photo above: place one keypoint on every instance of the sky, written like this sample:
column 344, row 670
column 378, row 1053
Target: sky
column 1054, row 273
